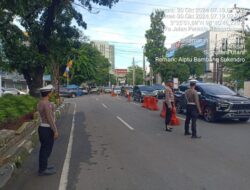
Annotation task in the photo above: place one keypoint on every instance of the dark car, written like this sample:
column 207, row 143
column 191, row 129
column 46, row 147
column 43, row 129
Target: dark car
column 217, row 102
column 124, row 90
column 140, row 91
column 160, row 89
column 70, row 91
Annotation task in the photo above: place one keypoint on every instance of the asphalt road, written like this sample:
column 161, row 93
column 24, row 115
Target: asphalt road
column 117, row 145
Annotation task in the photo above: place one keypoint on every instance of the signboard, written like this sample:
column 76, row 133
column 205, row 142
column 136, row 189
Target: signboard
column 176, row 83
column 121, row 71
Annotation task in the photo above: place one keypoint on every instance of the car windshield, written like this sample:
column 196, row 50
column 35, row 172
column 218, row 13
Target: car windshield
column 217, row 90
column 146, row 88
column 158, row 87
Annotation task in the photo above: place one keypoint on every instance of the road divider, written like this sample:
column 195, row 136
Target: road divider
column 125, row 123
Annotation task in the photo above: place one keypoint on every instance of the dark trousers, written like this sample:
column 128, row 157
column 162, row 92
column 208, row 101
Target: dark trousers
column 46, row 137
column 168, row 115
column 192, row 114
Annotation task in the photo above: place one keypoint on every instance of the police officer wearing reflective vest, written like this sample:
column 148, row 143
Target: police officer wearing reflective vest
column 169, row 102
column 47, row 131
column 193, row 109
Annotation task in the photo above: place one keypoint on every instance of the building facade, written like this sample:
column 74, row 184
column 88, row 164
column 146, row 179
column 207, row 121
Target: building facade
column 107, row 51
column 212, row 43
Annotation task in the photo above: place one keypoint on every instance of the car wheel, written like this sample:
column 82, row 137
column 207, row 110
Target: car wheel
column 178, row 107
column 209, row 115
column 73, row 95
column 244, row 119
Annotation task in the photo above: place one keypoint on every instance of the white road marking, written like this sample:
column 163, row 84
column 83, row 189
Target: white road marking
column 65, row 171
column 105, row 106
column 125, row 123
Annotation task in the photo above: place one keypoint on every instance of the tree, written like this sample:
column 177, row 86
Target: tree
column 171, row 70
column 196, row 68
column 155, row 39
column 89, row 65
column 240, row 70
column 45, row 22
column 138, row 75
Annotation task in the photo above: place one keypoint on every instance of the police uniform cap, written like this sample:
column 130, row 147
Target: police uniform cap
column 192, row 82
column 47, row 88
column 170, row 80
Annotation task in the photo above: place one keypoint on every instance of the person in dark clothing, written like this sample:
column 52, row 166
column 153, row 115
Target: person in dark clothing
column 193, row 109
column 47, row 131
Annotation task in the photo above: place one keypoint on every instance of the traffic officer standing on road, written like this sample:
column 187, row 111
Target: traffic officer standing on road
column 169, row 102
column 193, row 109
column 47, row 131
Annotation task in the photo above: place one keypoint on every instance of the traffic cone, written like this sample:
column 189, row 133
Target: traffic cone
column 174, row 120
column 129, row 98
column 146, row 102
column 163, row 111
column 153, row 104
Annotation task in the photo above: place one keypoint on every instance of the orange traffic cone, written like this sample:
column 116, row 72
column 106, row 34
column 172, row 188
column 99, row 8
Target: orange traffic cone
column 128, row 97
column 163, row 111
column 153, row 104
column 146, row 102
column 174, row 119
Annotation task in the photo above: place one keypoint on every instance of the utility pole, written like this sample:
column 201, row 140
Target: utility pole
column 244, row 12
column 215, row 67
column 133, row 63
column 143, row 58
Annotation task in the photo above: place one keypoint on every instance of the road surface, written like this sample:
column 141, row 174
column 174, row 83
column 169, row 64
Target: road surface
column 107, row 143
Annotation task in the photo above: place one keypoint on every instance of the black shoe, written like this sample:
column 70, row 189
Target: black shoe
column 195, row 137
column 168, row 130
column 187, row 134
column 46, row 172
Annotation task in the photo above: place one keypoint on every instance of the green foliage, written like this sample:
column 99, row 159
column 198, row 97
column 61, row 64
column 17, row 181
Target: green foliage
column 155, row 39
column 13, row 107
column 195, row 68
column 89, row 65
column 239, row 71
column 138, row 75
column 49, row 34
column 180, row 69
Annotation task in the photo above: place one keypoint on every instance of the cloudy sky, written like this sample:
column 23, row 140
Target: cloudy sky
column 125, row 24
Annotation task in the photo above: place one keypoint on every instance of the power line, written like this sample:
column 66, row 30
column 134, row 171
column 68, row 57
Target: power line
column 147, row 4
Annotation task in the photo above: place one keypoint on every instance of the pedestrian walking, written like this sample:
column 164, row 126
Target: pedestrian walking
column 193, row 109
column 169, row 102
column 47, row 131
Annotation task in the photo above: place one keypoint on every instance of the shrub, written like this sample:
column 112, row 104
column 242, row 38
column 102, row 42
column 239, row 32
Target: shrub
column 14, row 107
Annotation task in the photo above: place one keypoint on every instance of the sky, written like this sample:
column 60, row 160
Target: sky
column 124, row 25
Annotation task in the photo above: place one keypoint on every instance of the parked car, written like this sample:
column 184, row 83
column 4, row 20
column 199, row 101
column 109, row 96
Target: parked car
column 140, row 91
column 217, row 102
column 13, row 91
column 93, row 90
column 107, row 89
column 84, row 90
column 117, row 90
column 124, row 90
column 70, row 91
column 160, row 89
